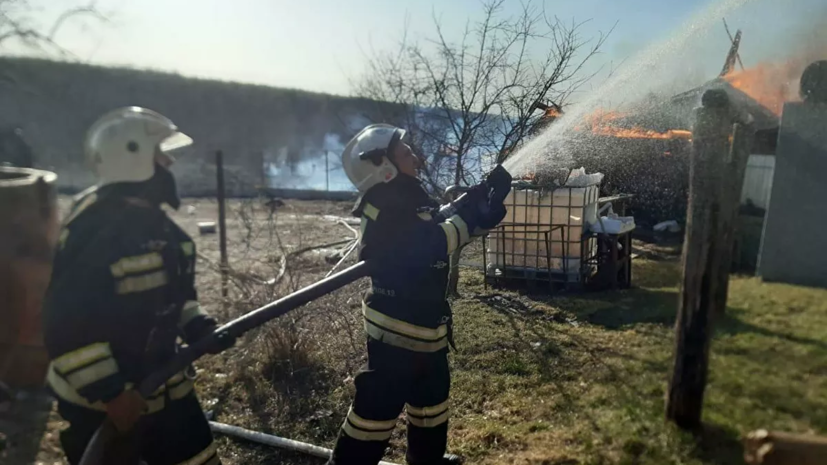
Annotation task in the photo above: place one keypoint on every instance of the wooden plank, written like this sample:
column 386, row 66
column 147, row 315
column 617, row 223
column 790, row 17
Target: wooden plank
column 763, row 447
column 734, row 168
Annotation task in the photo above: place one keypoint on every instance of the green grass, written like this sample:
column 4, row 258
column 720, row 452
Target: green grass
column 581, row 379
column 563, row 379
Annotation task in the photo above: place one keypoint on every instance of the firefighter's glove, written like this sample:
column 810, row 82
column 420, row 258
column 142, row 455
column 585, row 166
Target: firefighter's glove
column 499, row 185
column 476, row 194
column 478, row 215
column 125, row 410
column 487, row 200
column 471, row 204
column 492, row 216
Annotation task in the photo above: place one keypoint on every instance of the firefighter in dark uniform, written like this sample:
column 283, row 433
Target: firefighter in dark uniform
column 407, row 316
column 122, row 293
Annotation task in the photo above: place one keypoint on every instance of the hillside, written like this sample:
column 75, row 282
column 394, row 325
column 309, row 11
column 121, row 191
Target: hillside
column 55, row 102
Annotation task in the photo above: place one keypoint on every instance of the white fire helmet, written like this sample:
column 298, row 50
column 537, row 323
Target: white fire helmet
column 121, row 145
column 366, row 157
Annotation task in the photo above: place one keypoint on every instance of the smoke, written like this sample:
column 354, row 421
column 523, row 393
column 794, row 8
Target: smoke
column 776, row 79
column 319, row 167
column 783, row 35
column 313, row 164
column 809, row 44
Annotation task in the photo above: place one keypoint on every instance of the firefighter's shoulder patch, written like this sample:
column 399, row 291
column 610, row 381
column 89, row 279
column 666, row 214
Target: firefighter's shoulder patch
column 155, row 245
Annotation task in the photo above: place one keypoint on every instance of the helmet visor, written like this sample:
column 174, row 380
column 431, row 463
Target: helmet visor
column 176, row 141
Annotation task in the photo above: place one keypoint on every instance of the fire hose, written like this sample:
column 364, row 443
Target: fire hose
column 106, row 432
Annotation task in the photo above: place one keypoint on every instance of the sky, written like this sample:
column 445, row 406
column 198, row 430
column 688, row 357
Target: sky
column 322, row 45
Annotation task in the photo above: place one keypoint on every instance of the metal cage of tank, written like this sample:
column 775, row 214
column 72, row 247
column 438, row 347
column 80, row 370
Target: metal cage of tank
column 543, row 237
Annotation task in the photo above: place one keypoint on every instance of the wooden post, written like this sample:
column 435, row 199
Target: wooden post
column 774, row 448
column 704, row 272
column 222, row 222
column 735, row 167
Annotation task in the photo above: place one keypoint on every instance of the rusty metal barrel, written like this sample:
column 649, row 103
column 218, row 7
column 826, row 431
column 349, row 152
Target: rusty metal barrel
column 28, row 233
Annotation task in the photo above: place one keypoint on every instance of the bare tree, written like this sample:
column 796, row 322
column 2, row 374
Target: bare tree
column 476, row 100
column 16, row 24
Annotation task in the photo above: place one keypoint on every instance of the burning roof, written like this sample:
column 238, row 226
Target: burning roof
column 760, row 90
column 626, row 125
column 765, row 118
column 672, row 118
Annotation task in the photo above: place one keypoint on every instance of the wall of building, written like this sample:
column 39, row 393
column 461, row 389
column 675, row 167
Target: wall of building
column 758, row 181
column 793, row 245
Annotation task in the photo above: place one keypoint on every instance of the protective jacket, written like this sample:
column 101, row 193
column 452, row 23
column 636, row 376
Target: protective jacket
column 122, row 293
column 406, row 306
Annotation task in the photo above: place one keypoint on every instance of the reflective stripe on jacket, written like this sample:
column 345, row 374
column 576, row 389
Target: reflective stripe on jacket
column 175, row 388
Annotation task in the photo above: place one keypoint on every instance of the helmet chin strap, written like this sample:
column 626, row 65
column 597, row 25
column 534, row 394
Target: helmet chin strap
column 395, row 140
column 166, row 187
column 160, row 188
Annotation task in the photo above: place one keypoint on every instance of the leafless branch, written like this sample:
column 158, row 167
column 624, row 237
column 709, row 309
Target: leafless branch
column 479, row 96
column 16, row 24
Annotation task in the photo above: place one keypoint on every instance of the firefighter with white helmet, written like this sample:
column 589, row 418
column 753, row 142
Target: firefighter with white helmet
column 122, row 293
column 407, row 317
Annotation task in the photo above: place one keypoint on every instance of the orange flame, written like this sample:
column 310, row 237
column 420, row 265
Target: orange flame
column 600, row 122
column 769, row 84
column 552, row 113
column 638, row 132
column 602, row 117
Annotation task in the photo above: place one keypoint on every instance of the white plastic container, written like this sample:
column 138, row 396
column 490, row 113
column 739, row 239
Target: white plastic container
column 542, row 232
column 613, row 224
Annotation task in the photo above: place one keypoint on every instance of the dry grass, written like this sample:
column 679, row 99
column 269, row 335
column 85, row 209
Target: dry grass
column 290, row 377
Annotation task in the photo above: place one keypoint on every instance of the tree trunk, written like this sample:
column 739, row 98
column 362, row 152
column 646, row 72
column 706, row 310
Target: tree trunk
column 715, row 179
column 453, row 275
column 458, row 170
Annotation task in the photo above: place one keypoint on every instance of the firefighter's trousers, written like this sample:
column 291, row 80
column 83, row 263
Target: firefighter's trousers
column 394, row 379
column 177, row 434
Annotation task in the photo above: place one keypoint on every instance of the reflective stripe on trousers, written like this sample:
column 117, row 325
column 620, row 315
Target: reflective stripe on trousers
column 428, row 416
column 368, row 430
column 402, row 334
